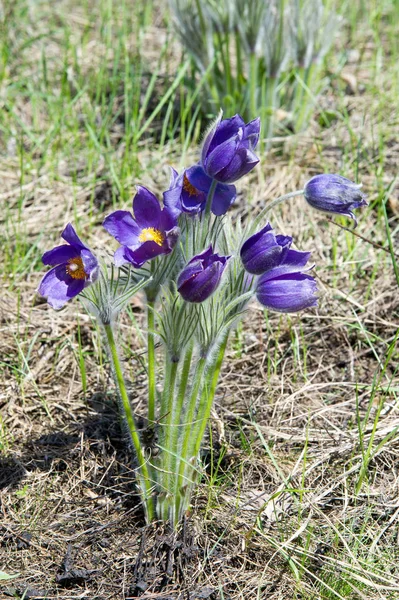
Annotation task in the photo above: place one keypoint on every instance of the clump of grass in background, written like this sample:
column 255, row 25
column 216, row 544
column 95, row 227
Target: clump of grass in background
column 258, row 57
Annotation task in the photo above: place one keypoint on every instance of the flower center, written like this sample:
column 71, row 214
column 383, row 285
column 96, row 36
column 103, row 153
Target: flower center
column 75, row 268
column 152, row 235
column 189, row 188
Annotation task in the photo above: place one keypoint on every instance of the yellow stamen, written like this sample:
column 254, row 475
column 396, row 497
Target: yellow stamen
column 75, row 268
column 152, row 235
column 189, row 188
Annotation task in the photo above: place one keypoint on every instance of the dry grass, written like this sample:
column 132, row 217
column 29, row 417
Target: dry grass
column 288, row 506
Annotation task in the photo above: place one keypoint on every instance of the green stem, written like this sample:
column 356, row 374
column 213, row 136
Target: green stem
column 168, row 402
column 274, row 203
column 184, row 459
column 209, row 199
column 207, row 212
column 196, row 434
column 207, row 397
column 179, row 406
column 128, row 414
column 151, row 362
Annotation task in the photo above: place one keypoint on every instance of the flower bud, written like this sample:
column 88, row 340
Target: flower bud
column 286, row 288
column 228, row 150
column 201, row 276
column 334, row 194
column 264, row 250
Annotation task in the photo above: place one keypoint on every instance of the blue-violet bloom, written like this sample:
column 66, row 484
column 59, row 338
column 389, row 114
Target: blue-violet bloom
column 286, row 288
column 201, row 276
column 188, row 193
column 74, row 268
column 151, row 232
column 264, row 250
column 228, row 149
column 334, row 194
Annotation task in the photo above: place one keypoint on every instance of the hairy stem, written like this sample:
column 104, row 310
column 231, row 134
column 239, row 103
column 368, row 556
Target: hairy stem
column 128, row 414
column 151, row 363
column 207, row 212
column 181, row 394
column 274, row 203
column 168, row 408
column 184, row 458
column 207, row 397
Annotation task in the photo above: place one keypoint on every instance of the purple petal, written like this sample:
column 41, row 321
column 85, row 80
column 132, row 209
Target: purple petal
column 293, row 262
column 172, row 196
column 90, row 265
column 252, row 131
column 193, row 268
column 147, row 211
column 167, row 221
column 220, row 157
column 290, row 293
column 242, row 162
column 193, row 198
column 226, row 129
column 223, row 198
column 121, row 225
column 204, row 255
column 60, row 254
column 69, row 235
column 59, row 287
column 174, row 176
column 209, row 136
column 202, row 285
column 198, row 178
column 145, row 252
column 120, row 256
column 171, row 238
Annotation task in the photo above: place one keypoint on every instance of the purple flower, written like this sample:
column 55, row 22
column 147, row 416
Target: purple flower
column 228, row 150
column 201, row 276
column 286, row 288
column 334, row 194
column 264, row 250
column 151, row 232
column 188, row 193
column 75, row 267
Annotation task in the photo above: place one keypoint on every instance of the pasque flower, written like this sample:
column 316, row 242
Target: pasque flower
column 285, row 288
column 228, row 149
column 334, row 194
column 264, row 250
column 188, row 193
column 201, row 276
column 74, row 268
column 151, row 232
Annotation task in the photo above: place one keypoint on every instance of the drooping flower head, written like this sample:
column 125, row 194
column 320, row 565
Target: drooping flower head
column 188, row 193
column 201, row 276
column 228, row 149
column 264, row 250
column 74, row 268
column 334, row 194
column 151, row 232
column 286, row 288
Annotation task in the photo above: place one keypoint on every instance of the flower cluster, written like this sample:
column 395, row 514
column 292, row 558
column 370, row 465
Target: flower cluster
column 200, row 273
column 228, row 153
column 282, row 285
